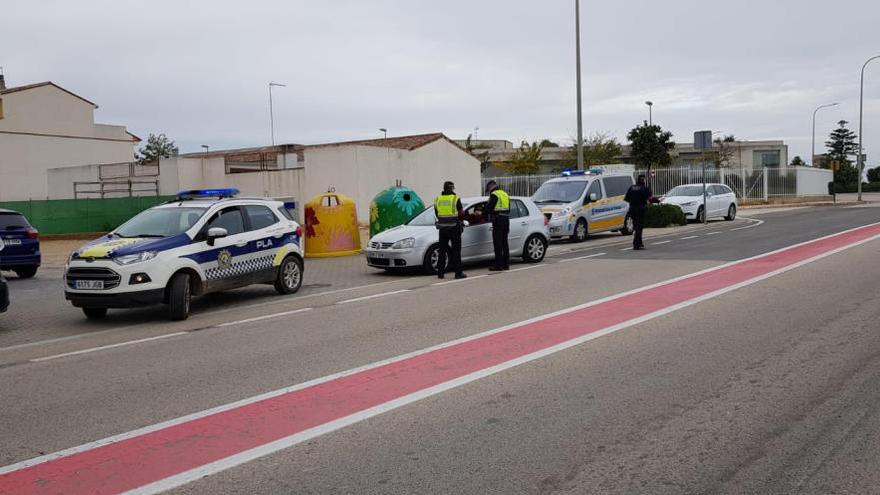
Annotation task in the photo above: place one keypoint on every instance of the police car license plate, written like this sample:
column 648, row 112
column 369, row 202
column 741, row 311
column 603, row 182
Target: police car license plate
column 89, row 284
column 12, row 242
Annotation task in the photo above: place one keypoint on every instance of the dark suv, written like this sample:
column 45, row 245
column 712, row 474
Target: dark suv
column 22, row 244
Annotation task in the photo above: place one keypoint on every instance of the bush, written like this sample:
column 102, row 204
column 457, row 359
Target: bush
column 866, row 187
column 660, row 216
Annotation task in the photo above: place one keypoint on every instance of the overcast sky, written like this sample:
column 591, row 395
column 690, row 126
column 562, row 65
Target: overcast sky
column 198, row 71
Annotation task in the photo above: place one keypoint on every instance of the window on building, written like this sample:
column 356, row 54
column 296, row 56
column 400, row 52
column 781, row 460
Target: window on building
column 766, row 158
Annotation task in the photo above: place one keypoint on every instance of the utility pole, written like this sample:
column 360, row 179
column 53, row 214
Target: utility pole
column 271, row 113
column 859, row 159
column 577, row 36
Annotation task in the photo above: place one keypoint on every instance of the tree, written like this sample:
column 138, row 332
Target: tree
column 546, row 143
column 651, row 146
column 524, row 161
column 483, row 156
column 599, row 149
column 874, row 174
column 841, row 145
column 722, row 151
column 156, row 147
column 797, row 162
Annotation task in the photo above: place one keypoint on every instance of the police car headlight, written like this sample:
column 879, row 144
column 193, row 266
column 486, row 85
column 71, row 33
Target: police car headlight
column 404, row 243
column 128, row 259
column 563, row 212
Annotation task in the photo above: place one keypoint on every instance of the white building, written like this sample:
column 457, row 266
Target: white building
column 359, row 169
column 44, row 126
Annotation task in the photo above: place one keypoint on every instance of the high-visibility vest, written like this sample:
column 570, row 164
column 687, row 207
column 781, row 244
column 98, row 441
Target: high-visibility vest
column 446, row 206
column 503, row 204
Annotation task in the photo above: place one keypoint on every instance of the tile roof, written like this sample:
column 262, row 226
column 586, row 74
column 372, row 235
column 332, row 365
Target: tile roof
column 40, row 85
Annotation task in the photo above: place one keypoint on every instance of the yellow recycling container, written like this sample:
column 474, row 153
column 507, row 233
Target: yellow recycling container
column 331, row 226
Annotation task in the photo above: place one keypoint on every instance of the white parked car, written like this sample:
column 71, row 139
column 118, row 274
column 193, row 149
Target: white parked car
column 416, row 244
column 720, row 199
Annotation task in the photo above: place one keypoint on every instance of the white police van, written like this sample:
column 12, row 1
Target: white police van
column 204, row 241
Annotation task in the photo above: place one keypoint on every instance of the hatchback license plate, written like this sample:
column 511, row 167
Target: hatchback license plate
column 90, row 284
column 12, row 242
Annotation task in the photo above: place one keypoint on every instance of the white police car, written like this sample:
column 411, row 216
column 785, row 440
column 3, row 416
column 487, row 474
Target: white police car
column 203, row 241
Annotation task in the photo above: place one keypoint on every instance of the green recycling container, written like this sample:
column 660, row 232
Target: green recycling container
column 392, row 207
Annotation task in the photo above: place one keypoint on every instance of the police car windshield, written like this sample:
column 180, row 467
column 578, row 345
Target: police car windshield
column 161, row 222
column 424, row 219
column 560, row 192
column 686, row 191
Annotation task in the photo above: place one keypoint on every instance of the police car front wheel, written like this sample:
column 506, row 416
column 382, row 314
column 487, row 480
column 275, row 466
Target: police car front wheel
column 179, row 296
column 289, row 277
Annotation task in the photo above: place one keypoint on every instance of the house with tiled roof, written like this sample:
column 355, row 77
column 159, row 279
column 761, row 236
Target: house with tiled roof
column 44, row 126
column 359, row 168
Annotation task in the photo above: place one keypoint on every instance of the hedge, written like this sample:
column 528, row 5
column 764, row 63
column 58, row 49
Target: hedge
column 851, row 188
column 659, row 216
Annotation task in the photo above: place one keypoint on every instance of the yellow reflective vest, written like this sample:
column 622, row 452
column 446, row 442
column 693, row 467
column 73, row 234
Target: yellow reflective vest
column 503, row 203
column 446, row 207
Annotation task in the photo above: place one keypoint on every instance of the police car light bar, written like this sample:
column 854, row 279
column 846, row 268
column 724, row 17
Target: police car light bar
column 208, row 193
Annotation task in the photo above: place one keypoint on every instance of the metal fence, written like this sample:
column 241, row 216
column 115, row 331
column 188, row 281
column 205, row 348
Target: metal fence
column 748, row 184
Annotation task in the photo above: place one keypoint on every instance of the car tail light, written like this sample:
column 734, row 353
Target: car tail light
column 32, row 233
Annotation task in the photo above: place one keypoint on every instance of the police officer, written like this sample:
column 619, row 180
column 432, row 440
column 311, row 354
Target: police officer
column 638, row 196
column 498, row 210
column 447, row 207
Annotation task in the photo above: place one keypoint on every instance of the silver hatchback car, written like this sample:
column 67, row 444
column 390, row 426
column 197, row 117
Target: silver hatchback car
column 416, row 244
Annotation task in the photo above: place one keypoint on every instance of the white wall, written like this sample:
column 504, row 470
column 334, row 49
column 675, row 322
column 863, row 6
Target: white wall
column 813, row 181
column 363, row 171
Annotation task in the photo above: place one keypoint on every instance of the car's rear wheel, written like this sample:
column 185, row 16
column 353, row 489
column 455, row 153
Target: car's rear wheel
column 290, row 275
column 26, row 271
column 179, row 296
column 432, row 258
column 95, row 313
column 580, row 231
column 535, row 248
column 628, row 226
column 731, row 213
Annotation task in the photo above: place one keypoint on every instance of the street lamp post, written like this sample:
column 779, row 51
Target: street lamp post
column 387, row 150
column 813, row 152
column 650, row 113
column 577, row 37
column 271, row 113
column 859, row 158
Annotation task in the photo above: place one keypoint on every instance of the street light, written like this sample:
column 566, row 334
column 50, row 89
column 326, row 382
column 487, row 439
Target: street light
column 577, row 37
column 861, row 161
column 271, row 113
column 820, row 107
column 387, row 150
column 206, row 148
column 650, row 114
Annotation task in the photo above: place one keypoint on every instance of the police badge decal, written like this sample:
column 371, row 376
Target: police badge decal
column 224, row 259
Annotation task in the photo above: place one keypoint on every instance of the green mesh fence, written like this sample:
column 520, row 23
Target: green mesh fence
column 71, row 216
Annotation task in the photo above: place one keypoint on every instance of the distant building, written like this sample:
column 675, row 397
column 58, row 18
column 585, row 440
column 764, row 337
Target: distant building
column 749, row 155
column 44, row 126
column 359, row 169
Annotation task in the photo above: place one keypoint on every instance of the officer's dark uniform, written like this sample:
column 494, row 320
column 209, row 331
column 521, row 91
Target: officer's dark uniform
column 638, row 196
column 498, row 210
column 447, row 207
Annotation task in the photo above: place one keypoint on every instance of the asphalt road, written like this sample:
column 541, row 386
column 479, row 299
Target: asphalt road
column 770, row 388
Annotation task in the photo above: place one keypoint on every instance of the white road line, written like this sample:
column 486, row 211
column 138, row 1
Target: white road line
column 713, row 233
column 264, row 317
column 689, row 237
column 627, row 249
column 539, row 265
column 582, row 257
column 373, row 296
column 459, row 280
column 111, row 346
column 661, row 242
column 755, row 224
column 215, row 467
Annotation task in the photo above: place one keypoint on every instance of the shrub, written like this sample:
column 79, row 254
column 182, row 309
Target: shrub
column 659, row 216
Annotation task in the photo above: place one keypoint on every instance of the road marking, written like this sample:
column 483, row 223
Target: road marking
column 689, row 237
column 169, row 454
column 103, row 347
column 755, row 224
column 713, row 233
column 582, row 257
column 537, row 265
column 372, row 296
column 459, row 280
column 627, row 249
column 264, row 317
column 661, row 242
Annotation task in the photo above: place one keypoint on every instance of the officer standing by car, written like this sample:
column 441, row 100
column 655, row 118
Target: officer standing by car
column 498, row 210
column 447, row 207
column 638, row 196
